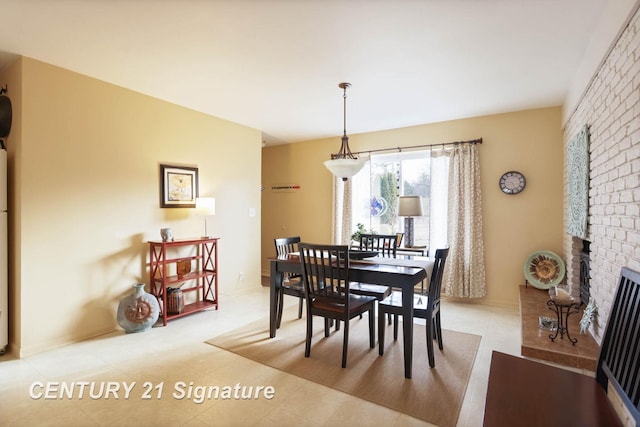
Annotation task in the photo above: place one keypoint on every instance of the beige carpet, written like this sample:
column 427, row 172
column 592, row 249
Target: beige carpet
column 434, row 395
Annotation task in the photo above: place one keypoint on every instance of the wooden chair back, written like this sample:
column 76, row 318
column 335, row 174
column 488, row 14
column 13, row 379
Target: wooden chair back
column 386, row 244
column 618, row 366
column 325, row 270
column 435, row 283
column 292, row 283
column 286, row 245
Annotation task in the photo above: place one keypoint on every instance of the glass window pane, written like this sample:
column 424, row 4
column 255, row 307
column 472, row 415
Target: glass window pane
column 377, row 187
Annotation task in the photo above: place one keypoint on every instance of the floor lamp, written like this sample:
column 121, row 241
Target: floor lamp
column 409, row 206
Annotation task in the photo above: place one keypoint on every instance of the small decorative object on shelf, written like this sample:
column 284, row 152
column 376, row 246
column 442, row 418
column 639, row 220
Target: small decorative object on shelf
column 563, row 304
column 165, row 233
column 138, row 311
column 183, row 267
column 175, row 301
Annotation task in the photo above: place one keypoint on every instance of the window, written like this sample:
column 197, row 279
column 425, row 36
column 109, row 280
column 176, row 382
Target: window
column 375, row 192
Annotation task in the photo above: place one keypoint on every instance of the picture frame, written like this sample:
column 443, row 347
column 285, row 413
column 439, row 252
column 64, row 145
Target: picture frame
column 178, row 186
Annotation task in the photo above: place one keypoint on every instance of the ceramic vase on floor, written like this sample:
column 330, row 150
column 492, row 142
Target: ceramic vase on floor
column 138, row 311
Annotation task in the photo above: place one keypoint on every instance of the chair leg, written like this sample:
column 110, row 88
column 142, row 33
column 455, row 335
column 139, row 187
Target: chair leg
column 395, row 326
column 300, row 308
column 327, row 326
column 307, row 347
column 438, row 331
column 280, row 307
column 429, row 328
column 345, row 344
column 389, row 317
column 381, row 328
column 372, row 328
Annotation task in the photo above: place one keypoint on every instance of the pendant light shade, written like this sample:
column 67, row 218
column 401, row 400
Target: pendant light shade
column 344, row 164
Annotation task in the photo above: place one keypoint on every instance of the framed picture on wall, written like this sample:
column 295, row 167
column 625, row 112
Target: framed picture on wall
column 178, row 186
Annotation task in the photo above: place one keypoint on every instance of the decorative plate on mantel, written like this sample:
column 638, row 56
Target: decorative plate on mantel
column 544, row 269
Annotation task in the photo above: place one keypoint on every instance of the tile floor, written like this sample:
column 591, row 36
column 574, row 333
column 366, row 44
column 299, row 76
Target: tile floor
column 156, row 363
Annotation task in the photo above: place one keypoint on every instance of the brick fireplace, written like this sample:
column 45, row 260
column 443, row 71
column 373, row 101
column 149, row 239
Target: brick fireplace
column 609, row 107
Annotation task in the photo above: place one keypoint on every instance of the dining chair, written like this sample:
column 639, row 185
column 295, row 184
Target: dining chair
column 425, row 306
column 325, row 274
column 399, row 237
column 386, row 244
column 292, row 284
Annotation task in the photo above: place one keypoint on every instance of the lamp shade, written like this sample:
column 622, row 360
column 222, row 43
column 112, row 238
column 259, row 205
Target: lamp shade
column 206, row 205
column 344, row 168
column 410, row 206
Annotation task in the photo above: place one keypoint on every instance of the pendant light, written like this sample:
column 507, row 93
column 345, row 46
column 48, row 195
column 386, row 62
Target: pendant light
column 344, row 164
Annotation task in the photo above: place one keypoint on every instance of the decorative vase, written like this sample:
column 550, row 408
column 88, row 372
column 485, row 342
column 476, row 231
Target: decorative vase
column 166, row 234
column 175, row 301
column 138, row 311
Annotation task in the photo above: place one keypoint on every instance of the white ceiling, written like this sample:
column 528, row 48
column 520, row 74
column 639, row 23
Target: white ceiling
column 275, row 65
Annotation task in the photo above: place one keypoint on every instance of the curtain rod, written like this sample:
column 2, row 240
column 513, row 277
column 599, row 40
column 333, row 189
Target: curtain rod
column 473, row 141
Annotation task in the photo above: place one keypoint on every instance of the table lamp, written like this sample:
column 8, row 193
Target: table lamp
column 206, row 206
column 409, row 206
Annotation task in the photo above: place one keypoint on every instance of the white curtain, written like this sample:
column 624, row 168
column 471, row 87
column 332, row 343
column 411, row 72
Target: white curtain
column 342, row 223
column 464, row 274
column 439, row 200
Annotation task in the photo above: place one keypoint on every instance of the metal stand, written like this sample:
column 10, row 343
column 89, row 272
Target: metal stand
column 563, row 310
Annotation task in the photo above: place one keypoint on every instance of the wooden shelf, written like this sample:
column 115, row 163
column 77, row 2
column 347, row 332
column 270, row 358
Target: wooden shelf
column 193, row 308
column 203, row 281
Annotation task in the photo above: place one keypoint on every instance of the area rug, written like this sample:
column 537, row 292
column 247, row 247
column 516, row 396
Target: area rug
column 433, row 395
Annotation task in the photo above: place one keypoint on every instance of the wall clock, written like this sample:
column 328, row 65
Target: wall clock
column 512, row 182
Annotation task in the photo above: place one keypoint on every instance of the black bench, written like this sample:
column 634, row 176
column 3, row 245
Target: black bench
column 522, row 392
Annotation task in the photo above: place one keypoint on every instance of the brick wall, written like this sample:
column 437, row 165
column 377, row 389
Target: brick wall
column 611, row 107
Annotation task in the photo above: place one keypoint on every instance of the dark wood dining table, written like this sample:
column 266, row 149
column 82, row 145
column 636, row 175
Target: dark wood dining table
column 398, row 276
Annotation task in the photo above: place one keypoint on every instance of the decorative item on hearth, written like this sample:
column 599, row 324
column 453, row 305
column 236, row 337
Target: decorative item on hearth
column 544, row 269
column 545, row 322
column 587, row 316
column 138, row 311
column 344, row 164
column 563, row 304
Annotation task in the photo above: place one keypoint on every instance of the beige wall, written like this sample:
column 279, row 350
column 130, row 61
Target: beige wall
column 84, row 198
column 514, row 226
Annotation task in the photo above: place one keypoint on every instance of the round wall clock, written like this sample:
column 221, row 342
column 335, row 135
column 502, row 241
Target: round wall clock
column 512, row 182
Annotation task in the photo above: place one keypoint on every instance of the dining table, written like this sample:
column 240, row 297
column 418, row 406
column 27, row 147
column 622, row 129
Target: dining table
column 402, row 272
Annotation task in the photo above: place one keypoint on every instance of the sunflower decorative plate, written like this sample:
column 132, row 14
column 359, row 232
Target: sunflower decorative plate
column 544, row 269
